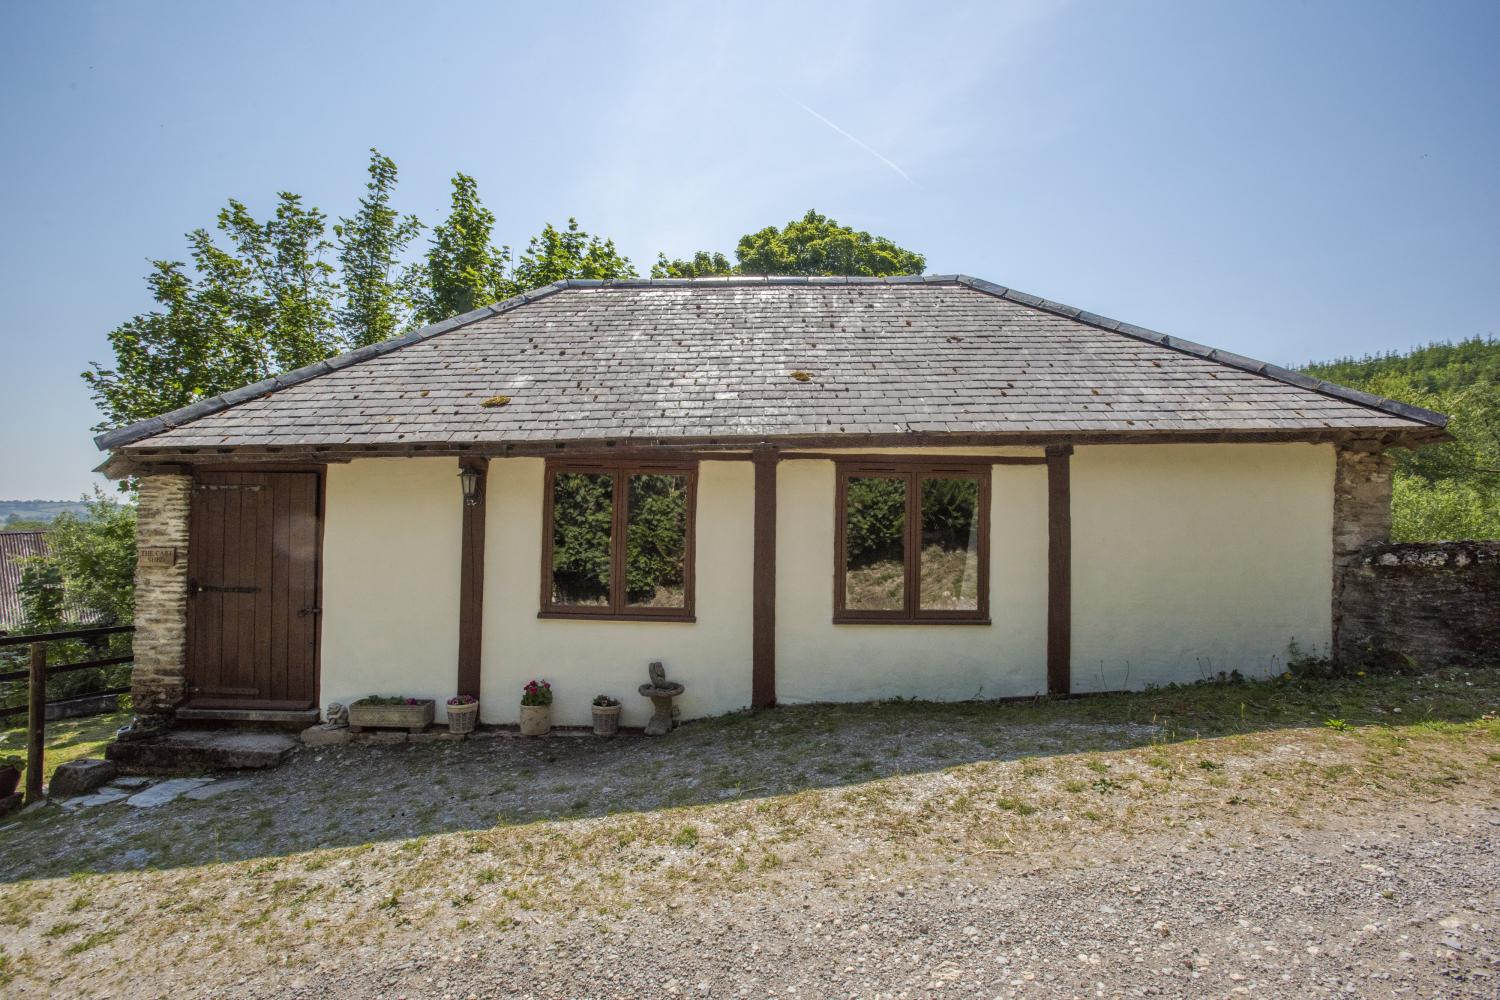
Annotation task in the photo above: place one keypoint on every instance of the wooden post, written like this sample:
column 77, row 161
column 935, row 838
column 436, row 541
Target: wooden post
column 471, row 584
column 36, row 722
column 763, row 610
column 1059, row 571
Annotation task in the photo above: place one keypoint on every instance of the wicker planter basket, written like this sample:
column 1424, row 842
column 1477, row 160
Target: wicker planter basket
column 606, row 720
column 536, row 720
column 461, row 718
column 412, row 718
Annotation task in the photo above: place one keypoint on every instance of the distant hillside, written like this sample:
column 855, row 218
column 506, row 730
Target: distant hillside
column 1450, row 490
column 38, row 510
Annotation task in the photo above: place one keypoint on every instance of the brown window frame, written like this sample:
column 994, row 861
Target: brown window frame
column 913, row 472
column 617, row 609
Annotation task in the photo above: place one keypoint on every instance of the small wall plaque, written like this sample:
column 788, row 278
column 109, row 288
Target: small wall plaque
column 164, row 555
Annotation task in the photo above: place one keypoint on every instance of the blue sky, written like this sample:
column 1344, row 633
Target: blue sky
column 1290, row 180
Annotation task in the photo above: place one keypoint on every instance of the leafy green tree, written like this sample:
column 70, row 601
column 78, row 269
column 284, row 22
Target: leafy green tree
column 703, row 264
column 95, row 555
column 41, row 593
column 286, row 286
column 185, row 350
column 463, row 271
column 555, row 254
column 379, row 291
column 814, row 244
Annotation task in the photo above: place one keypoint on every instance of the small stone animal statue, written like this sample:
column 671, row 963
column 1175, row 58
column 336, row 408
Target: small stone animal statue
column 658, row 674
column 338, row 716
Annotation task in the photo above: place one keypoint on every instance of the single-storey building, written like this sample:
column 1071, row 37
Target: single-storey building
column 787, row 489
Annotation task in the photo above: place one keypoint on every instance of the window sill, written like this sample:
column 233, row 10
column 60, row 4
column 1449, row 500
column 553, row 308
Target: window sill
column 605, row 616
column 844, row 620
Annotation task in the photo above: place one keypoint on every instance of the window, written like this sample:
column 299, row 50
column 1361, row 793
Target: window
column 913, row 543
column 590, row 508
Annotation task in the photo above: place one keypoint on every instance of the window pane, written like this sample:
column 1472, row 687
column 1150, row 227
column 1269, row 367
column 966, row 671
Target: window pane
column 950, row 545
column 582, row 518
column 875, row 544
column 656, row 542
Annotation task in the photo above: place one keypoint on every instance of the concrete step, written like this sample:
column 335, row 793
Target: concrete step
column 201, row 750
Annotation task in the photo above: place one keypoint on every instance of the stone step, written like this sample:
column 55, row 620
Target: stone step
column 298, row 719
column 194, row 750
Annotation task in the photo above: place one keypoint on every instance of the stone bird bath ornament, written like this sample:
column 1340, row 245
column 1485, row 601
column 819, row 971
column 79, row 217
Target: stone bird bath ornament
column 661, row 692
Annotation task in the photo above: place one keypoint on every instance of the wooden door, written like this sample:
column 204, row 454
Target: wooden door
column 253, row 541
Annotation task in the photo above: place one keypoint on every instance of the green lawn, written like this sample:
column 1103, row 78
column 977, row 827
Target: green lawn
column 67, row 739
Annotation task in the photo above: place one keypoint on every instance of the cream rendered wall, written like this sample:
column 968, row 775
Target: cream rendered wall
column 1188, row 559
column 391, row 548
column 819, row 661
column 584, row 658
column 1194, row 559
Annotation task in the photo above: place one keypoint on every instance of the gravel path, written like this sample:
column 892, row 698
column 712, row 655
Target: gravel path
column 1374, row 906
column 1096, row 848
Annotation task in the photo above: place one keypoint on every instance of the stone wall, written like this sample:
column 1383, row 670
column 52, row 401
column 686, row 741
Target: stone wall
column 158, row 681
column 1361, row 517
column 1431, row 603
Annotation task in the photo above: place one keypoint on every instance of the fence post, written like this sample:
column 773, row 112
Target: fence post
column 36, row 722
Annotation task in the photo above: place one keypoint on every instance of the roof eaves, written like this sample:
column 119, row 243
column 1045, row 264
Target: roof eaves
column 130, row 433
column 1229, row 358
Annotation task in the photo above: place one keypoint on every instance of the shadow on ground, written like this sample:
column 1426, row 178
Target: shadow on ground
column 357, row 794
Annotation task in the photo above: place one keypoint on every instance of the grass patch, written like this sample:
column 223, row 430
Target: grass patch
column 94, row 940
column 67, row 739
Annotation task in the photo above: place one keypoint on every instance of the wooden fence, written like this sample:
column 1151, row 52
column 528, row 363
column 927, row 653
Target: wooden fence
column 36, row 676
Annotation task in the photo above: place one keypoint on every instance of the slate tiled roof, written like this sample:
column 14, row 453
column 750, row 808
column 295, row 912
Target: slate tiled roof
column 586, row 361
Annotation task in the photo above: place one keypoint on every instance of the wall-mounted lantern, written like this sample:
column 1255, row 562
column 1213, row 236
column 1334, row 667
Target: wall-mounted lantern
column 470, row 479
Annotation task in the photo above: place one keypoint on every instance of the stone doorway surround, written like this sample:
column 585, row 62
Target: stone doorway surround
column 158, row 680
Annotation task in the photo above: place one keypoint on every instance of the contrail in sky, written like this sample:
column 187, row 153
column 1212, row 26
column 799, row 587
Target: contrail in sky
column 860, row 143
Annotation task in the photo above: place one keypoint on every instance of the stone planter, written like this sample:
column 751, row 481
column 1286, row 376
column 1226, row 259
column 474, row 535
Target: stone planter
column 10, row 777
column 461, row 718
column 536, row 720
column 606, row 720
column 412, row 718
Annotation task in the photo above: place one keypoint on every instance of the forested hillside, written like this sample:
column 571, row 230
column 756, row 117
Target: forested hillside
column 1450, row 490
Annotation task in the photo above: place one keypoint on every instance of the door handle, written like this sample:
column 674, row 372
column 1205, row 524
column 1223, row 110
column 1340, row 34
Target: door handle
column 304, row 612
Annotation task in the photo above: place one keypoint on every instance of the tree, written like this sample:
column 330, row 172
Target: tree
column 554, row 254
column 815, row 244
column 169, row 357
column 281, row 271
column 95, row 556
column 702, row 265
column 379, row 293
column 819, row 245
column 463, row 271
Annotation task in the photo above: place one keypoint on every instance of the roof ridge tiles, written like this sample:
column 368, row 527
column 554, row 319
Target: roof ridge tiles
column 130, row 433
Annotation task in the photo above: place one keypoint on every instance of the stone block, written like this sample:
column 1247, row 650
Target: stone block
column 318, row 736
column 79, row 777
column 385, row 736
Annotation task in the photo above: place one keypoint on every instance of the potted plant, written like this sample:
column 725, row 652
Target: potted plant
column 606, row 715
column 463, row 712
column 376, row 711
column 10, row 775
column 536, row 709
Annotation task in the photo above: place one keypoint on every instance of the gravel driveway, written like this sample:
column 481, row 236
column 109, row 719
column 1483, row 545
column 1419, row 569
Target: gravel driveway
column 1328, row 839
